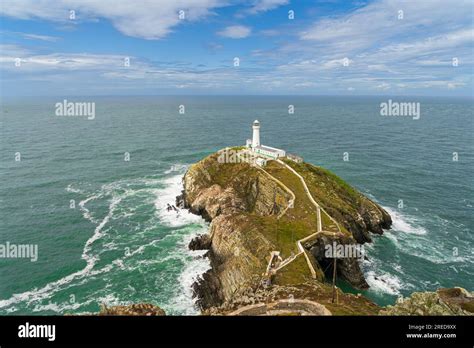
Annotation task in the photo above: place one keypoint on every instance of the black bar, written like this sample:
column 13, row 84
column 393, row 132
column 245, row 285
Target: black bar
column 219, row 330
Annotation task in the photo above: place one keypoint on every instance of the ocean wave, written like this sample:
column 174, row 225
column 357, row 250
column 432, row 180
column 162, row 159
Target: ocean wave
column 381, row 281
column 86, row 212
column 167, row 195
column 185, row 302
column 51, row 288
column 59, row 307
column 177, row 168
column 405, row 223
column 37, row 295
column 385, row 283
column 156, row 191
column 72, row 189
column 410, row 237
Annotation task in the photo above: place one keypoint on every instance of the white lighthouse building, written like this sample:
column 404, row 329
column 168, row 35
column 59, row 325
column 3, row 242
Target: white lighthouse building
column 256, row 134
column 257, row 148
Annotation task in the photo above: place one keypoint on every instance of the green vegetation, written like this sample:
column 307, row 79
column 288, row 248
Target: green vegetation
column 294, row 273
column 258, row 229
column 282, row 233
column 325, row 179
column 335, row 195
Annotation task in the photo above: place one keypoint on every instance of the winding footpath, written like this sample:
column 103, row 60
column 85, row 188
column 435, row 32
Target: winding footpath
column 276, row 263
column 316, row 204
column 299, row 243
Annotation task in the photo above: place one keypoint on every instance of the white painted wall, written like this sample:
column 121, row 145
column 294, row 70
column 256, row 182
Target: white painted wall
column 256, row 134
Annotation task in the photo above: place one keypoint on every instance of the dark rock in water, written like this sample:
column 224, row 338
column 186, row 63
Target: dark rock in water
column 181, row 201
column 201, row 242
column 208, row 288
column 450, row 301
column 140, row 309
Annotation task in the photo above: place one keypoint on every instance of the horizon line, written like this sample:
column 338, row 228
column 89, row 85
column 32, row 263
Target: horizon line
column 239, row 95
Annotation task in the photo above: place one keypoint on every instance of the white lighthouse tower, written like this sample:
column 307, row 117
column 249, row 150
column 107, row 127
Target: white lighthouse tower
column 259, row 150
column 256, row 134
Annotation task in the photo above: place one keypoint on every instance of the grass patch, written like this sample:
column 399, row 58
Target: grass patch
column 296, row 272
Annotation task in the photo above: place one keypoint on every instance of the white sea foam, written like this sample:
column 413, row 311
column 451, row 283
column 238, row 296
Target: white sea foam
column 194, row 269
column 110, row 300
column 195, row 264
column 386, row 283
column 59, row 307
column 405, row 223
column 379, row 281
column 72, row 189
column 85, row 212
column 98, row 233
column 51, row 288
column 167, row 195
column 415, row 240
column 177, row 168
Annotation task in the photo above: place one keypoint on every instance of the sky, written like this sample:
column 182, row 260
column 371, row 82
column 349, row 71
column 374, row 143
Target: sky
column 241, row 47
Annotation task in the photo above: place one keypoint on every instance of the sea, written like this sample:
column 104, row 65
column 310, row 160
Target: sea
column 92, row 193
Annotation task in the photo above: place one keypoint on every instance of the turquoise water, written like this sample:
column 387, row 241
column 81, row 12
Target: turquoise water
column 118, row 244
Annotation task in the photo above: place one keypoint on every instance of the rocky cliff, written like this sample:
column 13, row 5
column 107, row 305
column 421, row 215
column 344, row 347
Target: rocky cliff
column 446, row 301
column 139, row 309
column 252, row 214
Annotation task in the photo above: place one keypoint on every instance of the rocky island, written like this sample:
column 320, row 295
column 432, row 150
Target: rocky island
column 269, row 229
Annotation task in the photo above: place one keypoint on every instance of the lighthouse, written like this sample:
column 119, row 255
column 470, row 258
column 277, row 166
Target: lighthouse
column 261, row 150
column 256, row 134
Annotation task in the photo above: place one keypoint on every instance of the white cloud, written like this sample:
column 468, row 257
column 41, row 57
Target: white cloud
column 385, row 54
column 378, row 22
column 266, row 5
column 28, row 36
column 107, row 72
column 32, row 62
column 269, row 32
column 337, row 63
column 383, row 86
column 140, row 18
column 40, row 37
column 413, row 53
column 13, row 51
column 235, row 32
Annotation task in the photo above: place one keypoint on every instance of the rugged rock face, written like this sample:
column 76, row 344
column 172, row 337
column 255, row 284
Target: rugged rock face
column 345, row 304
column 234, row 263
column 347, row 268
column 453, row 301
column 139, row 309
column 243, row 202
column 292, row 307
column 212, row 188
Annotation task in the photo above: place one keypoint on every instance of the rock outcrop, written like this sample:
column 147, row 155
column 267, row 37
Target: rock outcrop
column 244, row 203
column 446, row 301
column 347, row 268
column 139, row 309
